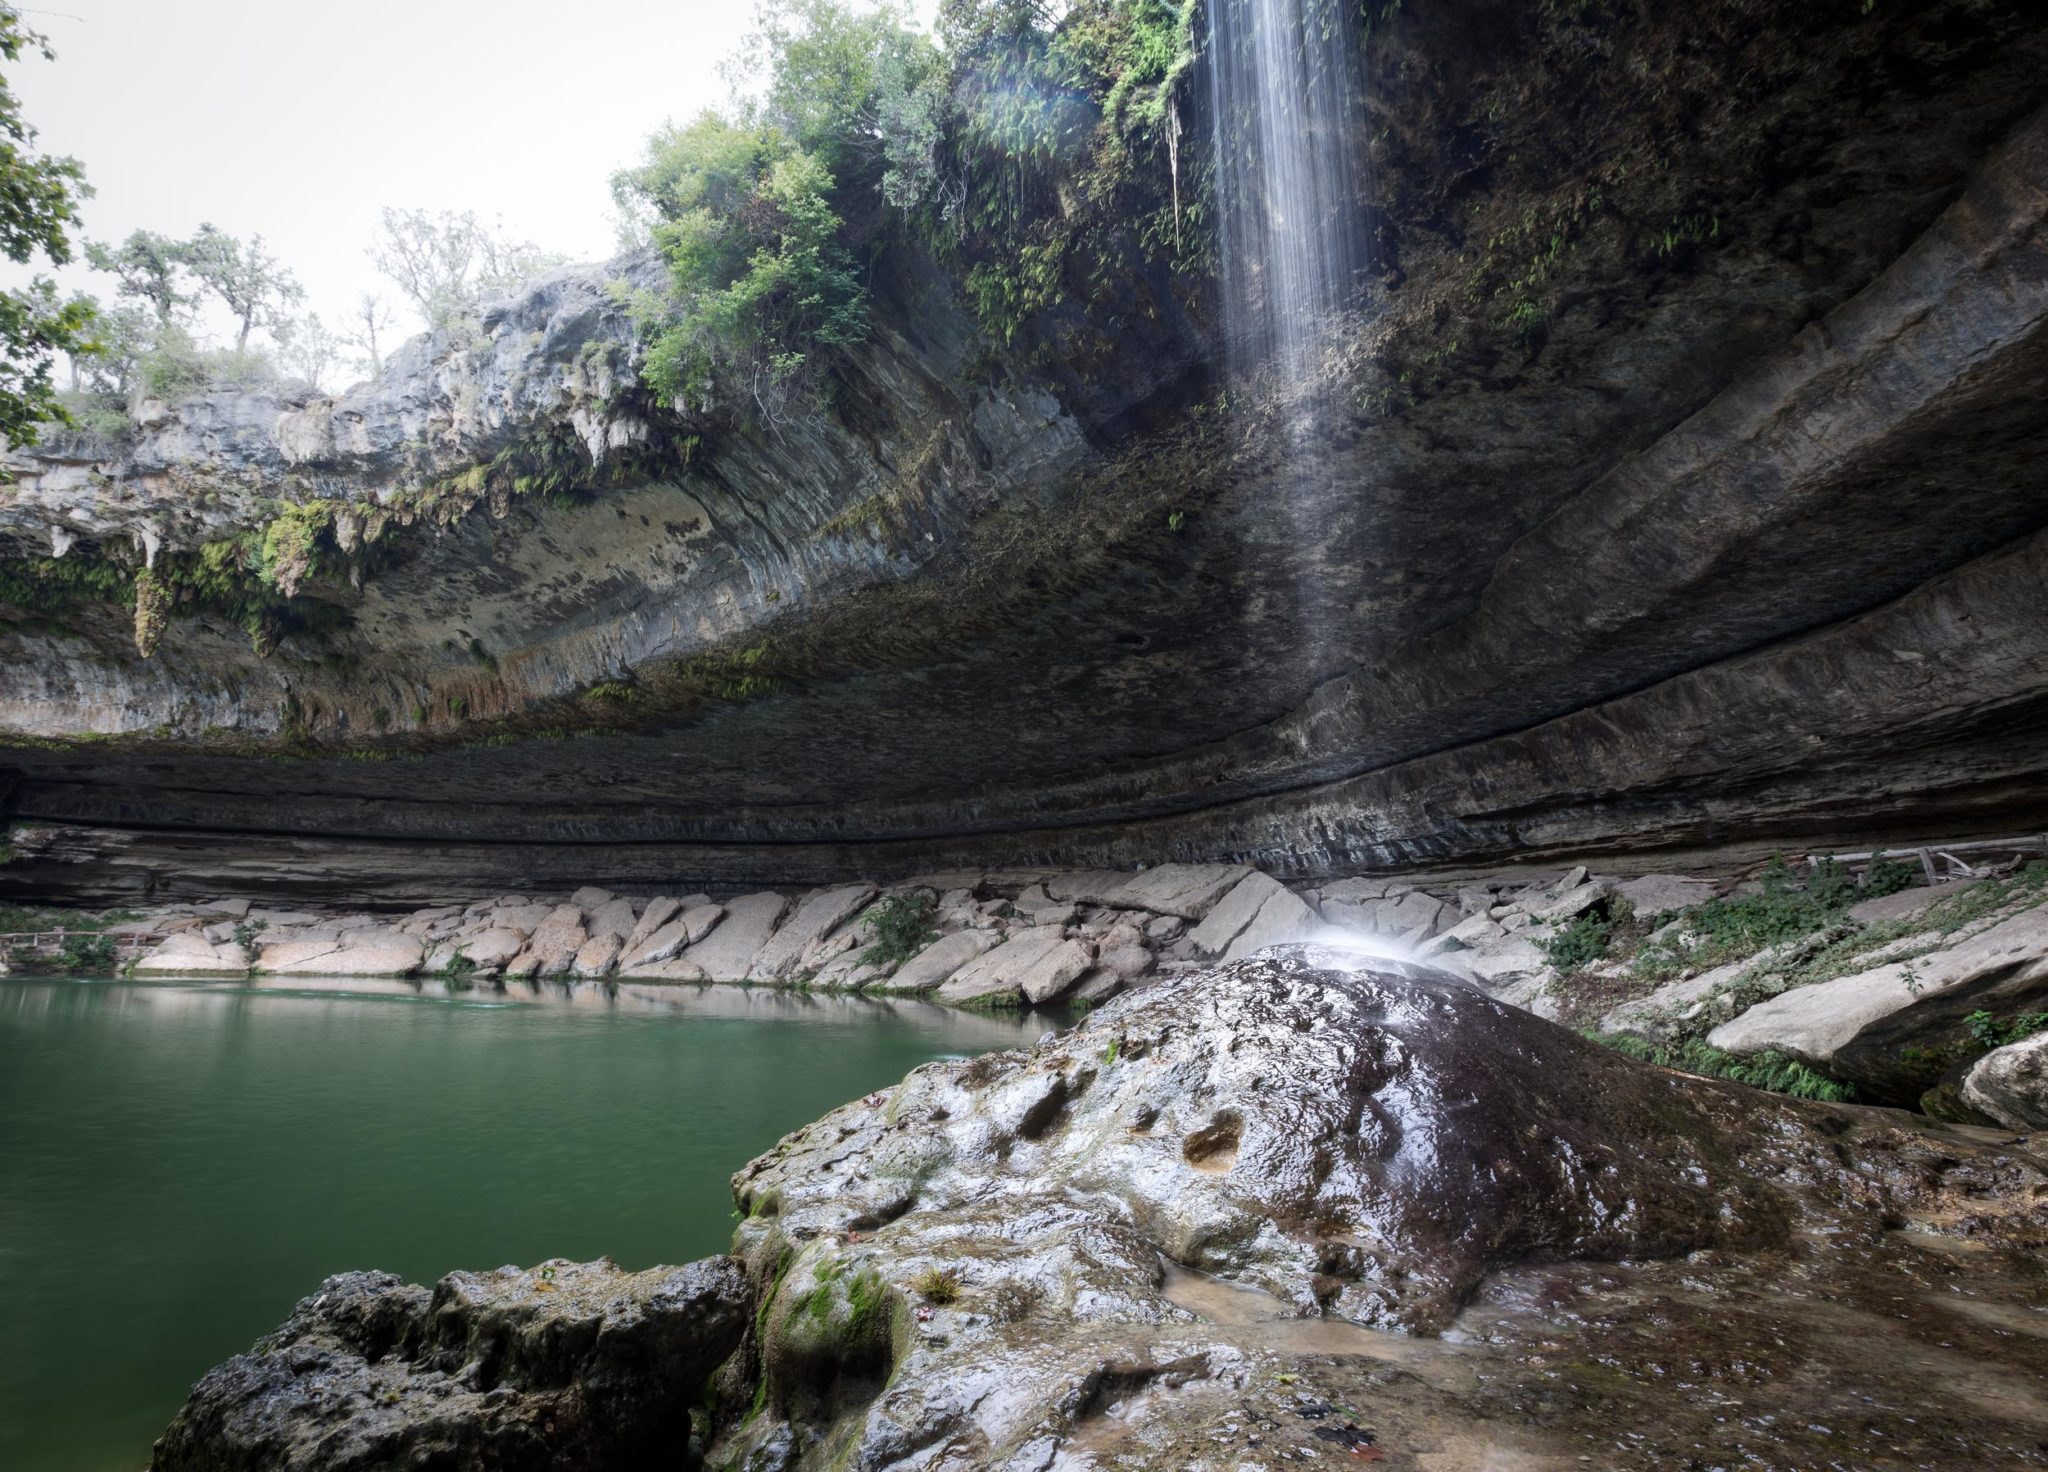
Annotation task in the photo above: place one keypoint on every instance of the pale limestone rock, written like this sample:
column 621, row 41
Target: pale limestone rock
column 597, row 956
column 660, row 910
column 818, row 914
column 1497, row 965
column 939, row 960
column 1186, row 891
column 1356, row 891
column 1236, row 910
column 1284, row 917
column 493, row 947
column 557, row 939
column 1128, row 961
column 613, row 918
column 1574, row 902
column 366, row 951
column 728, row 953
column 187, row 953
column 998, row 976
column 1906, row 902
column 1474, row 932
column 1098, row 985
column 1051, row 975
column 1657, row 895
column 590, row 897
column 2011, row 1084
column 525, row 919
column 1837, row 1026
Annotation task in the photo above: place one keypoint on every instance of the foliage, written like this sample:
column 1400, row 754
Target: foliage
column 938, row 1285
column 307, row 350
column 1778, row 910
column 458, row 972
column 1580, row 943
column 1770, row 1071
column 245, row 934
column 38, row 205
column 59, row 584
column 152, row 612
column 446, row 263
column 1040, row 157
column 901, row 925
column 86, row 954
column 247, row 279
column 758, row 279
column 1988, row 1032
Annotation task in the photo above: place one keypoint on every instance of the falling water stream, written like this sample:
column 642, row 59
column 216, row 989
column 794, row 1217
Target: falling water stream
column 1285, row 105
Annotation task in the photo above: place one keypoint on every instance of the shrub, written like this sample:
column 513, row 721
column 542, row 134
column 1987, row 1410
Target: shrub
column 901, row 925
column 245, row 934
column 1989, row 1032
column 458, row 973
column 86, row 953
column 1579, row 944
column 1770, row 1071
column 938, row 1285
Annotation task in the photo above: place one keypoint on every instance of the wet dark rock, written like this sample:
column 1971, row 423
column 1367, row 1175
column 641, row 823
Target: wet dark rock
column 1051, row 1233
column 566, row 1365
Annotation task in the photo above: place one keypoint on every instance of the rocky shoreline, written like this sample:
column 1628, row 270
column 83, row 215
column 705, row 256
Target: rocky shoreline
column 1286, row 1209
column 1827, row 980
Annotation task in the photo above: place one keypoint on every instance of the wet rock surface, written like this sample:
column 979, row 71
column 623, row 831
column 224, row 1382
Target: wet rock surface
column 1304, row 1206
column 565, row 1365
column 1171, row 1237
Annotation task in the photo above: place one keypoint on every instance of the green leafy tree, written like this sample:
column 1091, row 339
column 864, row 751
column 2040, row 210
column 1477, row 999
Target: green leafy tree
column 147, row 268
column 825, row 73
column 38, row 206
column 247, row 279
column 758, row 276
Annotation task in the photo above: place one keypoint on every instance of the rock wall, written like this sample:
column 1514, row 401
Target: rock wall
column 1740, row 543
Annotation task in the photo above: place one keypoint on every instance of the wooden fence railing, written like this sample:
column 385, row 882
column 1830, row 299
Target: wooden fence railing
column 1943, row 861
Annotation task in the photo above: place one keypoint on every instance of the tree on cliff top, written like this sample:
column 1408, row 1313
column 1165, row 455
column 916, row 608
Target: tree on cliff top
column 446, row 262
column 38, row 200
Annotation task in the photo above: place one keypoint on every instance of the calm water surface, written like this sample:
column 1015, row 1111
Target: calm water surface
column 179, row 1163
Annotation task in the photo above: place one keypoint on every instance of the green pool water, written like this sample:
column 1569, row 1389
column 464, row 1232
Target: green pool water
column 179, row 1163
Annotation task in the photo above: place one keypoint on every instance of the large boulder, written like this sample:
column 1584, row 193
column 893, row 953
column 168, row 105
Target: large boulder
column 728, row 953
column 964, row 1270
column 2011, row 1084
column 938, row 961
column 563, row 1366
column 1234, row 913
column 1884, row 1028
column 1188, row 891
column 189, row 953
column 362, row 951
column 819, row 914
column 556, row 940
column 1035, row 965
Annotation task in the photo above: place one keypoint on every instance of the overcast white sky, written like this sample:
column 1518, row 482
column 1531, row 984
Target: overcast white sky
column 301, row 120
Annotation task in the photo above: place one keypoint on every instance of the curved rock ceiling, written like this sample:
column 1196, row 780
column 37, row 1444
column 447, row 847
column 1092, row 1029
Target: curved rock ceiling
column 1745, row 541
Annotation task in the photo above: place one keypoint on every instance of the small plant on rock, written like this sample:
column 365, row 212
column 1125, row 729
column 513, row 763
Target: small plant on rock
column 245, row 936
column 901, row 925
column 1989, row 1032
column 938, row 1285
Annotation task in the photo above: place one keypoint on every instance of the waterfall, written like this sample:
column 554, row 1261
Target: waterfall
column 1285, row 104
